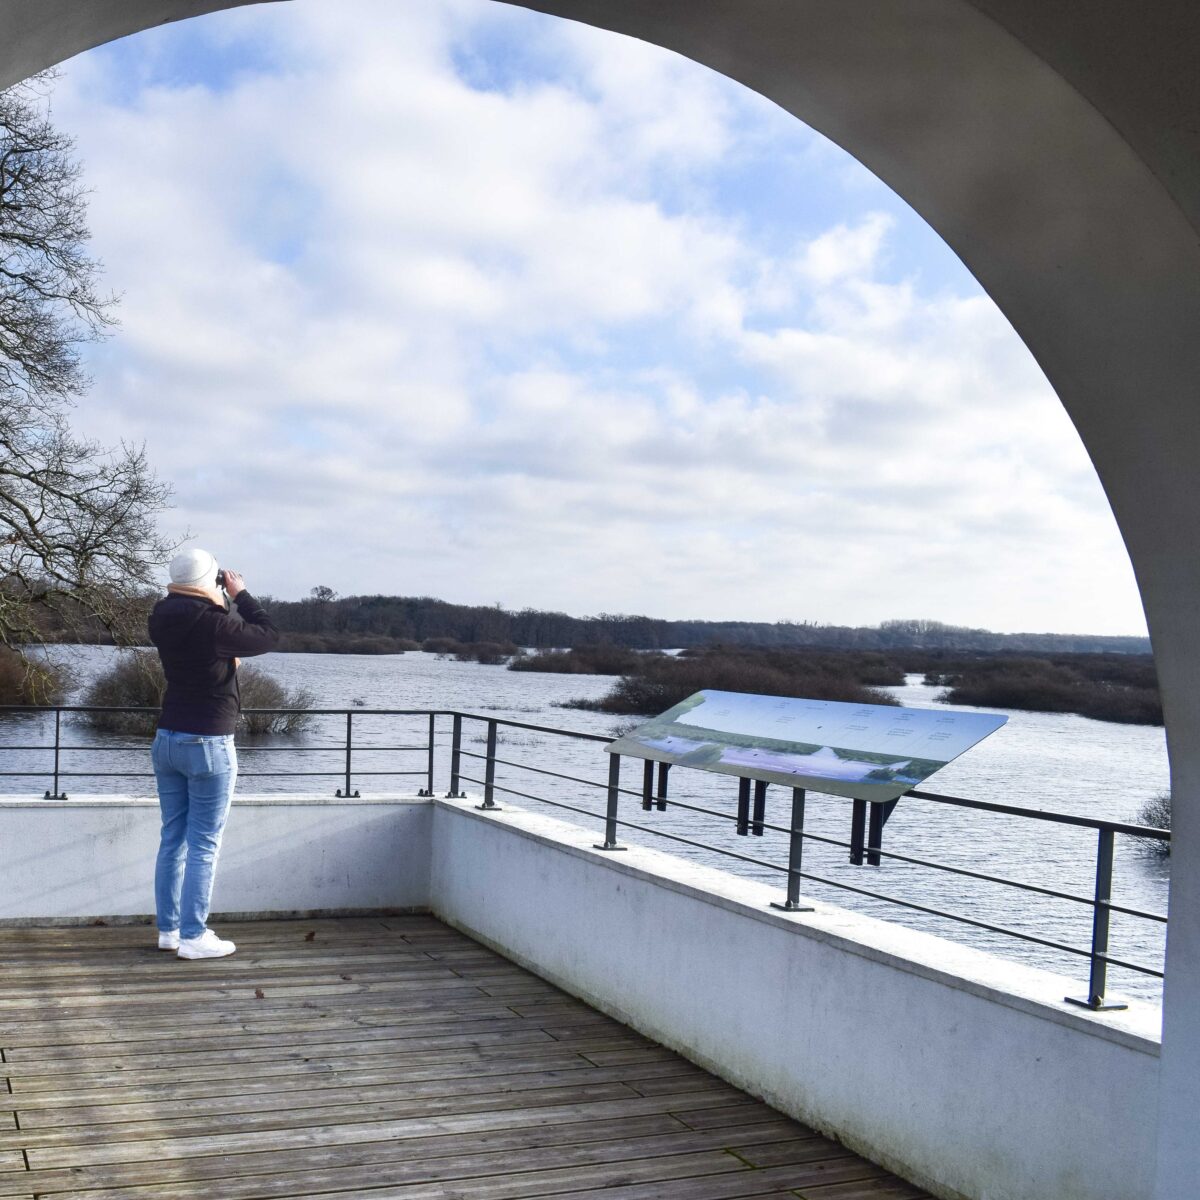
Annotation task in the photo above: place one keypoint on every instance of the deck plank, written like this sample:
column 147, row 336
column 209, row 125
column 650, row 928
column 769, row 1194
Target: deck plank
column 64, row 1107
column 466, row 1121
column 638, row 1138
column 464, row 1171
column 874, row 1189
column 604, row 1140
column 384, row 1057
column 317, row 1066
column 539, row 1084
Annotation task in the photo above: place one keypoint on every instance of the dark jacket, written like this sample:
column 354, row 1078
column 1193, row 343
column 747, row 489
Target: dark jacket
column 197, row 641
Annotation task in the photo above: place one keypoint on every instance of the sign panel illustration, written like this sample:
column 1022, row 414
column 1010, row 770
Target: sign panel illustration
column 864, row 751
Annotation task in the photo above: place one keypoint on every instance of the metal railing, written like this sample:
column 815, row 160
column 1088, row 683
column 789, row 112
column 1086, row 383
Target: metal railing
column 865, row 838
column 753, row 823
column 344, row 747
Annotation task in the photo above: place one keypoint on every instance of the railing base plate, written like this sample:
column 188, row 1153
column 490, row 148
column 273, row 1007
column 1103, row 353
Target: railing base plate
column 610, row 849
column 1096, row 1006
column 792, row 907
column 488, row 808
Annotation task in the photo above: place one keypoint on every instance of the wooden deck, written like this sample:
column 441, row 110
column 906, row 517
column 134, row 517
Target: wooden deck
column 383, row 1058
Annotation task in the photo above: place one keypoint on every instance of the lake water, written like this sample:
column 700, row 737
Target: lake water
column 1057, row 762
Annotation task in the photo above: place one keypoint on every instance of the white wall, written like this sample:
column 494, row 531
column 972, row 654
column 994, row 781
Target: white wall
column 963, row 1073
column 281, row 854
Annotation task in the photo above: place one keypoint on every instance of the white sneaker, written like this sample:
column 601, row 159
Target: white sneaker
column 207, row 945
column 168, row 940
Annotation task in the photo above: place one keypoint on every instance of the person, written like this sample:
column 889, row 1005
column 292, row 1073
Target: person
column 200, row 642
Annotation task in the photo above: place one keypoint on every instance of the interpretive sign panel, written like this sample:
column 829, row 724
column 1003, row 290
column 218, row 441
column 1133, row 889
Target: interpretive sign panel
column 865, row 751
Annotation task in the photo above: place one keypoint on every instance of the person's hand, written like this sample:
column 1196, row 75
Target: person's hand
column 233, row 584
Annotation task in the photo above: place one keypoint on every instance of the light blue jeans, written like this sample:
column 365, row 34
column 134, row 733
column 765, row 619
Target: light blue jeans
column 195, row 777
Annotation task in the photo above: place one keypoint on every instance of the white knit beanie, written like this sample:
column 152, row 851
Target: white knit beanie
column 197, row 568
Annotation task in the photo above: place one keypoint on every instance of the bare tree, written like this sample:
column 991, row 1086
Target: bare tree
column 78, row 521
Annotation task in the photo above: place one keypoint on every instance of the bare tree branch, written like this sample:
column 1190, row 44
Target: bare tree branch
column 79, row 538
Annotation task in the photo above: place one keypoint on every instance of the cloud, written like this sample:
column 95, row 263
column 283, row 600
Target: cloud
column 845, row 251
column 460, row 300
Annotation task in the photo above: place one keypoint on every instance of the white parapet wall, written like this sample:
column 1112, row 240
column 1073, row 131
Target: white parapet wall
column 959, row 1071
column 63, row 860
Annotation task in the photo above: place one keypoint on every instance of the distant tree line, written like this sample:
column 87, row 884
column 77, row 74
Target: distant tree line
column 419, row 618
column 324, row 622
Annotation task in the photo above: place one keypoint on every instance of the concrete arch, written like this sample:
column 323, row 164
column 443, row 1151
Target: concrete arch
column 1056, row 148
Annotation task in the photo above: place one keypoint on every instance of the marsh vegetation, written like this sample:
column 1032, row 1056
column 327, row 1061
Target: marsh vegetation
column 657, row 682
column 1122, row 688
column 23, row 680
column 135, row 680
column 1106, row 687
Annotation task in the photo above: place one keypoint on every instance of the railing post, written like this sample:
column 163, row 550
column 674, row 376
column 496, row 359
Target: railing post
column 348, row 794
column 648, row 785
column 614, row 795
column 56, row 794
column 455, row 758
column 795, row 856
column 760, row 807
column 743, row 813
column 663, row 769
column 429, row 771
column 489, row 775
column 1098, row 977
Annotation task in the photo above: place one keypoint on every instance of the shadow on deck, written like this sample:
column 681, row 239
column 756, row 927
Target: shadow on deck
column 382, row 1057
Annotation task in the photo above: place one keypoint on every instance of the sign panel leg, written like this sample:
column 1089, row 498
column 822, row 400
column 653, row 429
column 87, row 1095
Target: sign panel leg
column 858, row 831
column 760, row 807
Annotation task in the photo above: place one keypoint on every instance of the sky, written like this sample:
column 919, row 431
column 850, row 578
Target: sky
column 448, row 298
